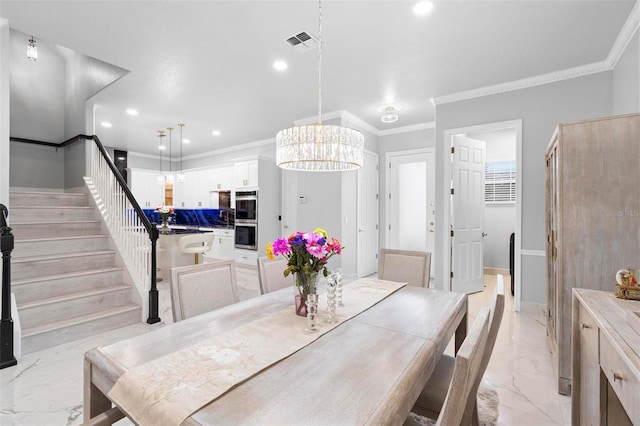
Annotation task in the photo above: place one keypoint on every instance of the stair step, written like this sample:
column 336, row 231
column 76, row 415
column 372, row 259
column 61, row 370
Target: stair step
column 52, row 214
column 25, row 198
column 30, row 267
column 45, row 287
column 73, row 305
column 45, row 246
column 70, row 329
column 32, row 230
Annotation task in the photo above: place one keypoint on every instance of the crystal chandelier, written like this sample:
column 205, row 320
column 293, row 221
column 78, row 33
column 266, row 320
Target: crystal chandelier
column 319, row 147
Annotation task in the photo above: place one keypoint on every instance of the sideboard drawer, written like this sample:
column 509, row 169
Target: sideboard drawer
column 625, row 384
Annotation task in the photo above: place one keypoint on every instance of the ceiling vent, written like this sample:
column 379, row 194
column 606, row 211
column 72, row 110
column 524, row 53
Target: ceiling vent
column 302, row 42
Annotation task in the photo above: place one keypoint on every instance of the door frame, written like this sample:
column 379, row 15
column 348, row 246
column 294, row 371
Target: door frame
column 446, row 191
column 376, row 161
column 387, row 159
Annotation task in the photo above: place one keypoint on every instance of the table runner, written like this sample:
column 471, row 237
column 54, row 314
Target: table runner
column 169, row 389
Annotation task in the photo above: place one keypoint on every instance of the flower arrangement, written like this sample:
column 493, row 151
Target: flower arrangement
column 307, row 254
column 165, row 213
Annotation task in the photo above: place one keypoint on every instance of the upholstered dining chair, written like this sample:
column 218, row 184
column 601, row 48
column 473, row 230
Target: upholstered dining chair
column 196, row 244
column 431, row 400
column 467, row 369
column 412, row 267
column 196, row 289
column 271, row 275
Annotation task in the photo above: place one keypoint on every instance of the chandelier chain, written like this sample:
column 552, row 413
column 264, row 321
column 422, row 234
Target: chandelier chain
column 320, row 62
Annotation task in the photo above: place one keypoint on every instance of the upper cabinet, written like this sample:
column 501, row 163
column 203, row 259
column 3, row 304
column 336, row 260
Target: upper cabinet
column 246, row 174
column 145, row 188
column 222, row 179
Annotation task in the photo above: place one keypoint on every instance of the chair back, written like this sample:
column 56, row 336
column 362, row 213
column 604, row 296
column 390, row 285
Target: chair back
column 196, row 289
column 196, row 243
column 412, row 267
column 465, row 372
column 495, row 319
column 271, row 275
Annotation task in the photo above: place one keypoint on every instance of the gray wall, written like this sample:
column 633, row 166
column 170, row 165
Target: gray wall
column 418, row 139
column 4, row 112
column 626, row 80
column 541, row 108
column 36, row 166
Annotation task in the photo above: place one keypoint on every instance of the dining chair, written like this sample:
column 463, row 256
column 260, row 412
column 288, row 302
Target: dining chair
column 271, row 275
column 431, row 399
column 196, row 289
column 467, row 369
column 412, row 267
column 196, row 243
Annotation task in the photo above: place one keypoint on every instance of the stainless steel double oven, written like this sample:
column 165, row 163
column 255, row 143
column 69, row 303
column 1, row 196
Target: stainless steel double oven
column 246, row 223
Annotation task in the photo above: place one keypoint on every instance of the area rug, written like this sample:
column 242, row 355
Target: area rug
column 488, row 402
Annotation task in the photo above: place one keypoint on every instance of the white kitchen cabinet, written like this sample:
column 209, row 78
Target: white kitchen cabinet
column 247, row 257
column 246, row 174
column 145, row 188
column 223, row 244
column 200, row 187
column 222, row 179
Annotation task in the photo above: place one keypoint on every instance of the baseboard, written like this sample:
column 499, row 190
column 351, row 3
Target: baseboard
column 495, row 271
column 30, row 189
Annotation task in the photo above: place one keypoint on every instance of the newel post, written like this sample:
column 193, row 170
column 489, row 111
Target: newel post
column 7, row 359
column 153, row 292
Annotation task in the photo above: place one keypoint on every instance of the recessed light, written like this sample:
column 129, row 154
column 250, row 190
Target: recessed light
column 385, row 107
column 186, row 141
column 106, row 124
column 280, row 65
column 162, row 147
column 132, row 111
column 121, row 158
column 423, row 8
column 216, row 133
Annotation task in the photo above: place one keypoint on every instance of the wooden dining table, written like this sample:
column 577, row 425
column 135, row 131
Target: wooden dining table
column 369, row 369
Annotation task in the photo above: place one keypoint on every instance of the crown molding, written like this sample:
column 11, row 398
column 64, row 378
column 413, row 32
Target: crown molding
column 241, row 147
column 625, row 35
column 406, row 129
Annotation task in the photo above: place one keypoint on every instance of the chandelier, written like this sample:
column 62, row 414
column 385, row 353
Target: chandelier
column 319, row 147
column 32, row 49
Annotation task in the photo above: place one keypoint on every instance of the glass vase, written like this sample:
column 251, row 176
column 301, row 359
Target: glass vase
column 312, row 313
column 332, row 284
column 305, row 284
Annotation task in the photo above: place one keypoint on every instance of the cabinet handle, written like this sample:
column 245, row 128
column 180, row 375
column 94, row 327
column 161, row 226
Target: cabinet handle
column 616, row 376
column 585, row 325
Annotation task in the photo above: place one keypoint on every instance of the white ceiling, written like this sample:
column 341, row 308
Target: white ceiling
column 209, row 63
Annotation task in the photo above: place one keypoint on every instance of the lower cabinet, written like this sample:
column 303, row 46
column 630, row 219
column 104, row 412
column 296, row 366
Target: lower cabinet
column 248, row 257
column 223, row 244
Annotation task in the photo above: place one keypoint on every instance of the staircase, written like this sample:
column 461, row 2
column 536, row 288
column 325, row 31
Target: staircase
column 65, row 279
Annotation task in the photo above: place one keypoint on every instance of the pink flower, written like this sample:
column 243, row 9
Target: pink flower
column 334, row 246
column 315, row 244
column 281, row 246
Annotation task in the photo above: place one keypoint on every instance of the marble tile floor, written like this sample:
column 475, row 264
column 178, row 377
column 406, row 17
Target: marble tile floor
column 45, row 388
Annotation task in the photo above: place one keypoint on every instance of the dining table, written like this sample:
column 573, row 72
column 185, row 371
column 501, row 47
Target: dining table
column 367, row 369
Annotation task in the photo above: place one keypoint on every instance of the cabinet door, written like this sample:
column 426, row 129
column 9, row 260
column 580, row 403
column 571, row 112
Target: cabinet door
column 589, row 370
column 227, row 247
column 246, row 174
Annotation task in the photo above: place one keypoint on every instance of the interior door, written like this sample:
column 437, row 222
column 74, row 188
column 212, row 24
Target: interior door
column 467, row 214
column 411, row 200
column 368, row 216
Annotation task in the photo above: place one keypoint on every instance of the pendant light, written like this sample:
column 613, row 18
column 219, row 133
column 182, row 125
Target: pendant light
column 319, row 147
column 161, row 147
column 180, row 177
column 32, row 49
column 169, row 177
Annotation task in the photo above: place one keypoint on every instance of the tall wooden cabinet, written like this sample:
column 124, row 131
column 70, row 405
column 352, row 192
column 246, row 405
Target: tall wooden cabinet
column 592, row 217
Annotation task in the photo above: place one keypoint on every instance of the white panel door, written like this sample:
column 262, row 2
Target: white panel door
column 467, row 215
column 411, row 200
column 367, row 249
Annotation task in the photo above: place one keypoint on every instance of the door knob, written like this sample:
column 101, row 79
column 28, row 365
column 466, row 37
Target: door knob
column 360, row 230
column 484, row 234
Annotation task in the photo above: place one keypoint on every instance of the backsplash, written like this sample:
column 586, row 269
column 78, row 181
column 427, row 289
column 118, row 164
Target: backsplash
column 203, row 218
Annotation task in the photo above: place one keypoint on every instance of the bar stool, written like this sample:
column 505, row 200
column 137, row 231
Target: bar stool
column 196, row 244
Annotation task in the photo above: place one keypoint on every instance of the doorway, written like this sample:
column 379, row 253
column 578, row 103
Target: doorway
column 446, row 258
column 410, row 200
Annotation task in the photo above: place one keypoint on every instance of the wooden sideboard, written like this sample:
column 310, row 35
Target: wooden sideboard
column 606, row 359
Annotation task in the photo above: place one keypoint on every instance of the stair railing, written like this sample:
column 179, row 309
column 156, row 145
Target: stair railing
column 134, row 235
column 7, row 359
